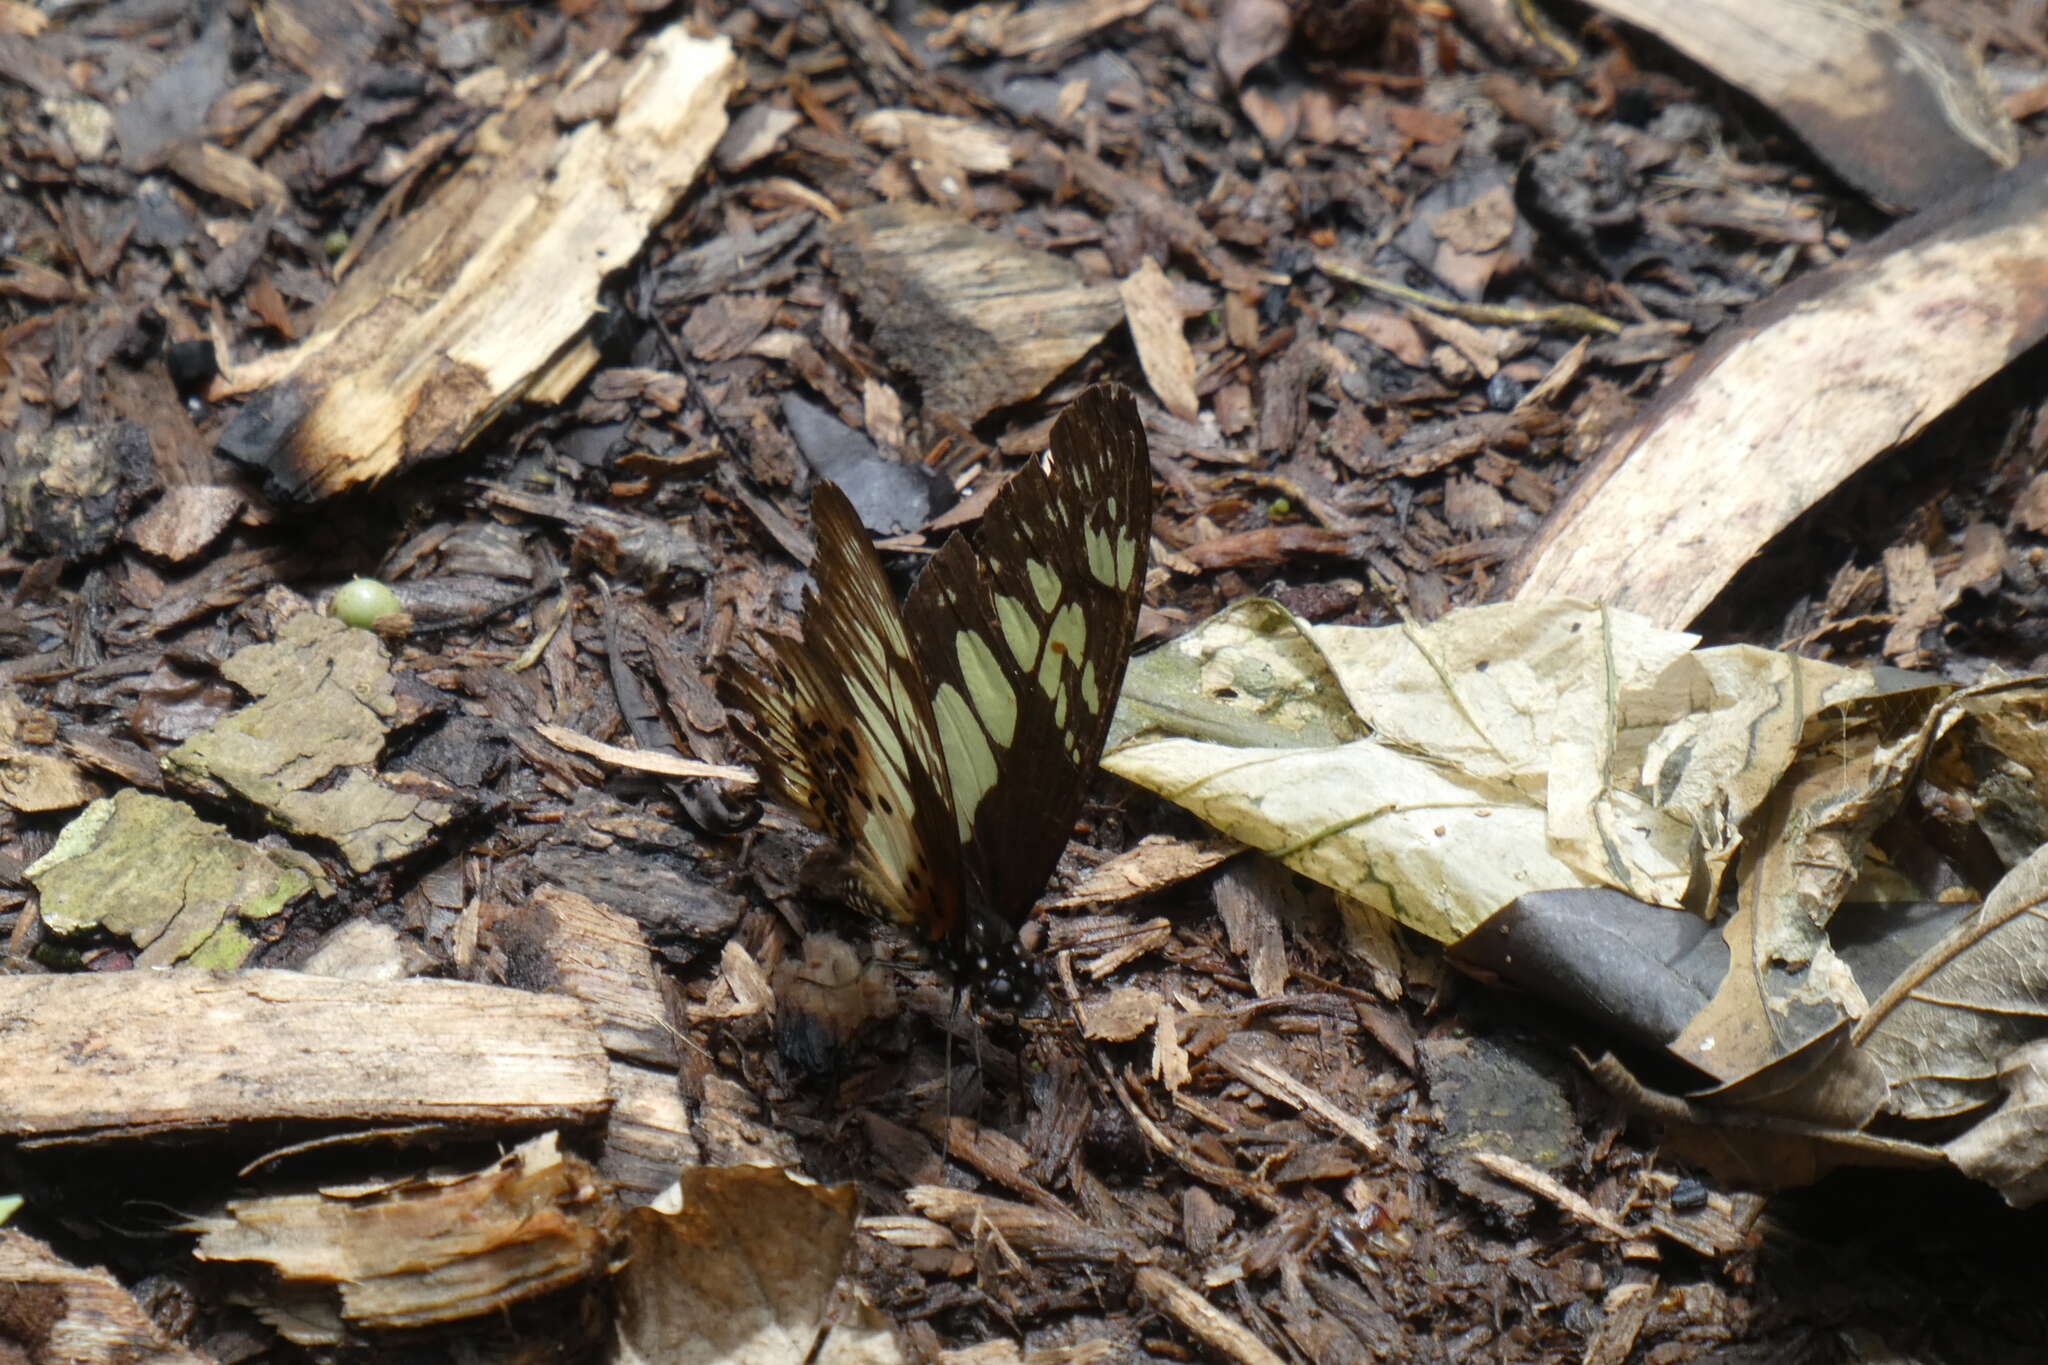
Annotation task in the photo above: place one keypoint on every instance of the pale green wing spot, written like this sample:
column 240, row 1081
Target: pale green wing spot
column 994, row 699
column 1102, row 557
column 970, row 762
column 1091, row 695
column 1069, row 645
column 1018, row 632
column 1044, row 583
column 1126, row 560
column 879, row 724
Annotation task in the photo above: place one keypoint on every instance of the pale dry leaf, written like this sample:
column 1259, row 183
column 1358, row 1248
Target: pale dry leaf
column 1437, row 772
column 1948, row 1030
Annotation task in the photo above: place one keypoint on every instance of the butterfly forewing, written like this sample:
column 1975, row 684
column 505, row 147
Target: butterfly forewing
column 845, row 736
column 1024, row 643
column 946, row 747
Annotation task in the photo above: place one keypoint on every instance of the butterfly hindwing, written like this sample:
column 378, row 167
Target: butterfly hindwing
column 845, row 736
column 1025, row 642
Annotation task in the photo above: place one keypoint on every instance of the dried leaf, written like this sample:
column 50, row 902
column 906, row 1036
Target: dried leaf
column 745, row 1272
column 1438, row 772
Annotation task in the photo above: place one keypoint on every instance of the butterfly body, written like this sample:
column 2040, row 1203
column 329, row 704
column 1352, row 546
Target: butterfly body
column 944, row 746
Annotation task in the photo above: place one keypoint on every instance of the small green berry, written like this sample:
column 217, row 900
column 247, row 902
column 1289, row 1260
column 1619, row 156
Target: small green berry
column 362, row 602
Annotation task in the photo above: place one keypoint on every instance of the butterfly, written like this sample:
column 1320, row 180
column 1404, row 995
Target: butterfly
column 944, row 746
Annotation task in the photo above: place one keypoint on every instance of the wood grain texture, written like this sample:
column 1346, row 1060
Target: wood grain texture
column 143, row 1052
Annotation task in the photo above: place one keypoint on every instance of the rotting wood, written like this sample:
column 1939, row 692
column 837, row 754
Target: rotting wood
column 1827, row 376
column 141, row 1054
column 488, row 287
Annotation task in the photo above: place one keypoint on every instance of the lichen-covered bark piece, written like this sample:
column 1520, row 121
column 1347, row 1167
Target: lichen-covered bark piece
column 304, row 749
column 146, row 868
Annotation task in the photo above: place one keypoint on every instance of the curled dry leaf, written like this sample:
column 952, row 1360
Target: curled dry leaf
column 1724, row 853
column 1576, row 746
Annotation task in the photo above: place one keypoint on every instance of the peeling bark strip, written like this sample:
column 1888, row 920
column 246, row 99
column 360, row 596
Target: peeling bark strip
column 1773, row 415
column 152, row 1053
column 482, row 297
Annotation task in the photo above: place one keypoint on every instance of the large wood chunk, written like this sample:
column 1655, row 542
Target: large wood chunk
column 154, row 1053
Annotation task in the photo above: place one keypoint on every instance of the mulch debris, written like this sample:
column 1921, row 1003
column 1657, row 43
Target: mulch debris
column 1392, row 272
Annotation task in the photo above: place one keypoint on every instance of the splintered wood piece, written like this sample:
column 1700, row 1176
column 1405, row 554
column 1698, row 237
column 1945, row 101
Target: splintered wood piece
column 481, row 298
column 410, row 1253
column 981, row 321
column 151, row 1053
column 1225, row 1335
column 70, row 1314
column 1774, row 414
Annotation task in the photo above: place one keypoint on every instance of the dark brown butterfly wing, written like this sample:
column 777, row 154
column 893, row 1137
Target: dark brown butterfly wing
column 946, row 748
column 844, row 733
column 1025, row 643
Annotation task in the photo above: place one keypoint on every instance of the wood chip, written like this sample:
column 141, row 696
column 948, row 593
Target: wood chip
column 1223, row 1334
column 1153, row 864
column 74, row 1315
column 642, row 760
column 1537, row 1183
column 981, row 321
column 1269, row 1079
column 1153, row 314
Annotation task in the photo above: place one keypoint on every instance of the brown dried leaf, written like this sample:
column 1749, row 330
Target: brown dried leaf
column 746, row 1270
column 1961, row 1020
